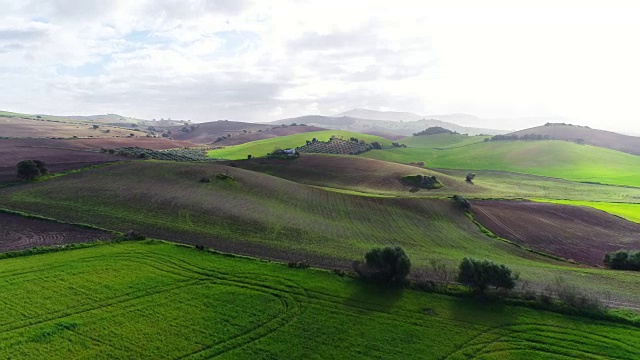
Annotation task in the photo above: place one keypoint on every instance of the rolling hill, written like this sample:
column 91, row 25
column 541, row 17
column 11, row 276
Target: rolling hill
column 371, row 177
column 601, row 138
column 393, row 127
column 262, row 215
column 553, row 158
column 275, row 132
column 263, row 147
column 209, row 132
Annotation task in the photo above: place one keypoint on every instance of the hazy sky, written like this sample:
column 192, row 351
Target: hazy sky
column 208, row 60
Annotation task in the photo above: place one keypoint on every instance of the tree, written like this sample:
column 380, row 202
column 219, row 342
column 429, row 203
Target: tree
column 249, row 157
column 623, row 260
column 480, row 275
column 385, row 265
column 95, row 127
column 463, row 203
column 470, row 177
column 31, row 169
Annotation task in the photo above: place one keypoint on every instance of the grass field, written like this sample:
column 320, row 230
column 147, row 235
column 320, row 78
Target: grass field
column 284, row 219
column 263, row 147
column 559, row 159
column 630, row 212
column 442, row 141
column 157, row 300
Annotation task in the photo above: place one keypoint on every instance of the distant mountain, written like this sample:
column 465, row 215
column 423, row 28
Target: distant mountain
column 587, row 135
column 369, row 126
column 380, row 115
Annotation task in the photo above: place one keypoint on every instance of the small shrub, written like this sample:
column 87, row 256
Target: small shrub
column 134, row 235
column 298, row 265
column 205, row 180
column 200, row 247
column 470, row 177
column 463, row 203
column 224, row 177
column 573, row 297
column 249, row 157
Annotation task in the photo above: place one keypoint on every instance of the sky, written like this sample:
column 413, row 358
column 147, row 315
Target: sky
column 204, row 60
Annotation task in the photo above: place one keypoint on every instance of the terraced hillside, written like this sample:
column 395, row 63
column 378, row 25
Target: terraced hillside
column 263, row 147
column 559, row 159
column 265, row 216
column 157, row 300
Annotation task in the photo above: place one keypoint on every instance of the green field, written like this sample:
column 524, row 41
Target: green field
column 442, row 141
column 263, row 147
column 630, row 212
column 559, row 159
column 163, row 301
column 166, row 200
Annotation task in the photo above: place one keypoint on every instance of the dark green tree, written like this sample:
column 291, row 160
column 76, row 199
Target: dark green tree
column 385, row 265
column 481, row 274
column 31, row 169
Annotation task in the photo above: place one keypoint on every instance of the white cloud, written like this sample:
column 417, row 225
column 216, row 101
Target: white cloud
column 259, row 61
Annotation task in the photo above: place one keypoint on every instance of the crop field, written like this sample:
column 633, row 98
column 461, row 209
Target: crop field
column 559, row 159
column 264, row 216
column 41, row 128
column 267, row 134
column 163, row 301
column 578, row 233
column 630, row 212
column 335, row 146
column 263, row 147
column 19, row 233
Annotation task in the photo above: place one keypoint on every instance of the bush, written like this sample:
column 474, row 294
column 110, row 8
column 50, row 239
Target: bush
column 134, row 235
column 31, row 169
column 384, row 265
column 205, row 180
column 463, row 203
column 470, row 177
column 573, row 297
column 623, row 260
column 481, row 274
column 298, row 265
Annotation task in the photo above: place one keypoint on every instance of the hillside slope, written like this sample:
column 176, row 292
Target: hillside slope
column 375, row 177
column 552, row 158
column 263, row 147
column 264, row 216
column 266, row 134
column 209, row 132
column 405, row 128
column 601, row 138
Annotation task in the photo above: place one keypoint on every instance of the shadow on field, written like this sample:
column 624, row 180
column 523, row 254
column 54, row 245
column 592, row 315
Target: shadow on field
column 485, row 311
column 371, row 297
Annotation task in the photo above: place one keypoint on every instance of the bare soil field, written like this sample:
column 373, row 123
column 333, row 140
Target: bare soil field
column 63, row 155
column 267, row 134
column 17, row 127
column 19, row 233
column 577, row 233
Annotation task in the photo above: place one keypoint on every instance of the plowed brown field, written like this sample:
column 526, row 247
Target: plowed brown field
column 578, row 233
column 63, row 155
column 19, row 233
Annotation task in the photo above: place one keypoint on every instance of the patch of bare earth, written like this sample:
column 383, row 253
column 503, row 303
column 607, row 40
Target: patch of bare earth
column 571, row 232
column 20, row 233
